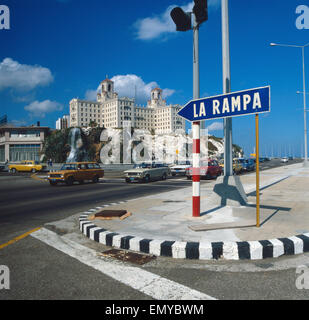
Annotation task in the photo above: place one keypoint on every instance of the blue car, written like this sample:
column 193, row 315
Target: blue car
column 248, row 165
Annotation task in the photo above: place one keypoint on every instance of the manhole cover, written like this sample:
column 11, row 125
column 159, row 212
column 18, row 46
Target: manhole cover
column 127, row 256
column 110, row 214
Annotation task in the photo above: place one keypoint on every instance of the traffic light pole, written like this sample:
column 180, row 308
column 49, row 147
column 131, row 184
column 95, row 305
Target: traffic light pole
column 228, row 151
column 183, row 21
column 196, row 70
column 196, row 203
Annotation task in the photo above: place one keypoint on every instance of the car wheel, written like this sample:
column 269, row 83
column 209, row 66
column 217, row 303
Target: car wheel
column 95, row 179
column 188, row 177
column 52, row 183
column 81, row 181
column 128, row 181
column 33, row 170
column 164, row 176
column 69, row 181
column 147, row 178
column 173, row 174
column 13, row 170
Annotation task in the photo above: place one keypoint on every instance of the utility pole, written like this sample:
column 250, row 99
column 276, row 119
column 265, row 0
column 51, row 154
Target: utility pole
column 228, row 138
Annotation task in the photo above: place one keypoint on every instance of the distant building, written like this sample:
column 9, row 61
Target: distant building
column 21, row 143
column 63, row 123
column 110, row 111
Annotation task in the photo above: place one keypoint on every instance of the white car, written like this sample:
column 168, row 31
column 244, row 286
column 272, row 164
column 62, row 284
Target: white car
column 285, row 159
column 180, row 168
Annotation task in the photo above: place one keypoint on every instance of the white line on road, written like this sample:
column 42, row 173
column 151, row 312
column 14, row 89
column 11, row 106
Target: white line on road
column 144, row 281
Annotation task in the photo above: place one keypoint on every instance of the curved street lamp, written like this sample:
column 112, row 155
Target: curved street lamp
column 304, row 93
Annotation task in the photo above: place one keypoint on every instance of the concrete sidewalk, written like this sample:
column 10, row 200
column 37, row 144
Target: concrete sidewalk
column 284, row 194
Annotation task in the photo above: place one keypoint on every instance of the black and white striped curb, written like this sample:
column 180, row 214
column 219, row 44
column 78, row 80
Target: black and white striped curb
column 228, row 250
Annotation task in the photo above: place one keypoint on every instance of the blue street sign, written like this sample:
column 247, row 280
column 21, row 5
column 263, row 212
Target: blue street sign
column 233, row 104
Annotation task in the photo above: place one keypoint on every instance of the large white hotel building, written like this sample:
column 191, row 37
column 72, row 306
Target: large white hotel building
column 110, row 111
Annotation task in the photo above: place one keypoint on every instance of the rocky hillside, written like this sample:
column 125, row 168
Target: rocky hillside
column 95, row 142
column 216, row 147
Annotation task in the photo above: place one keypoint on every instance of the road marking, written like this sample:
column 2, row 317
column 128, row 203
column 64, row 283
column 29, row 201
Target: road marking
column 35, row 177
column 19, row 238
column 144, row 281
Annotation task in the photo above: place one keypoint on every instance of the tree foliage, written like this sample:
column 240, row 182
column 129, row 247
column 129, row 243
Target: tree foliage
column 56, row 145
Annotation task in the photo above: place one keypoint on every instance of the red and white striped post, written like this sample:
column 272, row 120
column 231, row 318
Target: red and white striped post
column 196, row 203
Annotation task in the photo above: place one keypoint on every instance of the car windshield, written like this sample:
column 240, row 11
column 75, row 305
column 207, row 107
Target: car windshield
column 142, row 166
column 206, row 163
column 183, row 163
column 68, row 166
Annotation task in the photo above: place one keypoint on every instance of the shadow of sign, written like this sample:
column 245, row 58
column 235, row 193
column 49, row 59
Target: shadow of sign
column 230, row 192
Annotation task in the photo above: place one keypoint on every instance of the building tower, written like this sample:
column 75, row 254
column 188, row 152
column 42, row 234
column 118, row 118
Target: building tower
column 156, row 99
column 106, row 91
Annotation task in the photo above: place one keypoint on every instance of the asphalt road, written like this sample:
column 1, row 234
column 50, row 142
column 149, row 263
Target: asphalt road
column 28, row 203
column 39, row 271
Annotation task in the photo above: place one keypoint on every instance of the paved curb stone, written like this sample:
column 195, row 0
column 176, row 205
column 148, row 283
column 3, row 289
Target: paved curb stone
column 229, row 250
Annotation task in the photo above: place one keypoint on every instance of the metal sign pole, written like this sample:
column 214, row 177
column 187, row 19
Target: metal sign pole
column 257, row 162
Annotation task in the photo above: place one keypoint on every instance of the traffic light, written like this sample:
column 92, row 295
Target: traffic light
column 181, row 19
column 200, row 11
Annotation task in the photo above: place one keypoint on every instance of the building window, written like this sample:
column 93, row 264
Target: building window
column 19, row 152
column 24, row 134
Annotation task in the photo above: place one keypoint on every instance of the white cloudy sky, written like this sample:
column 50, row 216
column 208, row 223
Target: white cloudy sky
column 153, row 27
column 126, row 85
column 40, row 108
column 22, row 76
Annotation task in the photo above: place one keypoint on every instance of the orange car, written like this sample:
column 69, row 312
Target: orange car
column 28, row 165
column 76, row 171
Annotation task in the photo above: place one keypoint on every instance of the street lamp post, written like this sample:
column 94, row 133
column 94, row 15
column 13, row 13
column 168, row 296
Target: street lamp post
column 304, row 95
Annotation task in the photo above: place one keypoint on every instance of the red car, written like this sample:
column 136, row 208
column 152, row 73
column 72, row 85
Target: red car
column 210, row 171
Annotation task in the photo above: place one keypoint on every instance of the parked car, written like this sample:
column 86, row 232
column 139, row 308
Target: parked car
column 237, row 166
column 145, row 172
column 263, row 159
column 241, row 162
column 28, row 165
column 221, row 164
column 284, row 159
column 180, row 168
column 248, row 165
column 77, row 171
column 208, row 170
column 2, row 167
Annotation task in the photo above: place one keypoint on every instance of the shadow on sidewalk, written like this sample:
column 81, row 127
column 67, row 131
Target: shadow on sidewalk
column 246, row 223
column 253, row 193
